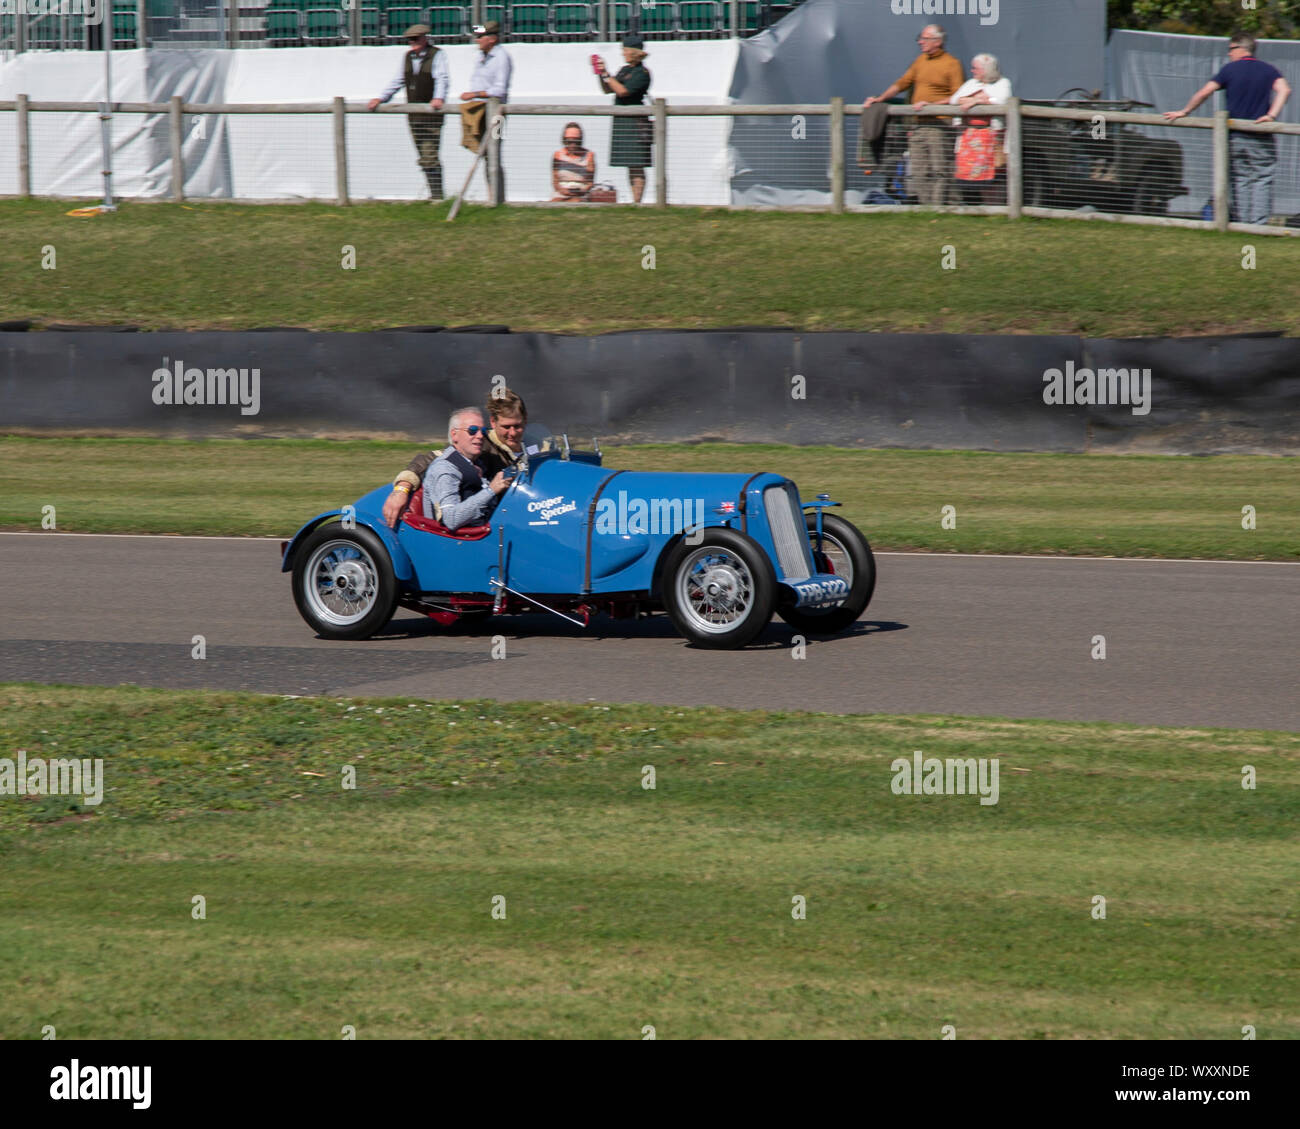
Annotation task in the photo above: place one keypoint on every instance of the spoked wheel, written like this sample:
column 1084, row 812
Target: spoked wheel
column 343, row 582
column 719, row 593
column 844, row 553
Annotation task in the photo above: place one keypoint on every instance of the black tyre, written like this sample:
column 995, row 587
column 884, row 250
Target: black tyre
column 1151, row 196
column 845, row 553
column 343, row 582
column 719, row 593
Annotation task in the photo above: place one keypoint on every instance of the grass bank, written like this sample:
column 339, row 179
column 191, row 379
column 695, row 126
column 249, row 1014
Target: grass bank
column 223, row 266
column 626, row 906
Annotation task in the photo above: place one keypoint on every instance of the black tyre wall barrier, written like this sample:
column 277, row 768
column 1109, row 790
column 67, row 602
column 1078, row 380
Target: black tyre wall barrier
column 843, row 389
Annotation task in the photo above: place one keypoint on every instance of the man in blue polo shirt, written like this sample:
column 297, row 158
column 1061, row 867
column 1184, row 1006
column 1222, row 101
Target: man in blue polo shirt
column 1256, row 92
column 490, row 78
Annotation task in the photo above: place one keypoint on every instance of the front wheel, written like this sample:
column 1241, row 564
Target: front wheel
column 719, row 593
column 845, row 553
column 343, row 582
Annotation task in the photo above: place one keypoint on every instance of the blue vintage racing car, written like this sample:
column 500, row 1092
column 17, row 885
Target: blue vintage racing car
column 720, row 553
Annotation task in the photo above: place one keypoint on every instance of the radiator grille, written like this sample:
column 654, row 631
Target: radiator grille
column 788, row 532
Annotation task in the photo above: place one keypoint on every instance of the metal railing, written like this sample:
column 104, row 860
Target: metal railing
column 1047, row 160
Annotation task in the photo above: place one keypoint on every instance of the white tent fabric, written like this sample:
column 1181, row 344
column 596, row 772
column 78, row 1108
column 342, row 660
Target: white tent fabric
column 291, row 156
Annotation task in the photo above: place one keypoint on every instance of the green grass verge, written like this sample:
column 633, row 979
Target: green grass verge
column 1116, row 505
column 627, row 906
column 226, row 266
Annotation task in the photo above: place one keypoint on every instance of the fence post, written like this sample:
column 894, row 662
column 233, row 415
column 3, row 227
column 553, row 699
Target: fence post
column 24, row 148
column 495, row 124
column 340, row 151
column 141, row 14
column 735, row 19
column 232, row 23
column 837, row 155
column 1222, row 192
column 1015, row 160
column 661, row 152
column 602, row 20
column 175, row 132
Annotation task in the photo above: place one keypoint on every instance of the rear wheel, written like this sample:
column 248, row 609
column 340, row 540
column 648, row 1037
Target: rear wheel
column 844, row 553
column 719, row 593
column 343, row 582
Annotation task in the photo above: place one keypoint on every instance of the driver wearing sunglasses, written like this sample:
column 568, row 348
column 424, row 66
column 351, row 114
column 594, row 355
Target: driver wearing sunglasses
column 507, row 419
column 454, row 490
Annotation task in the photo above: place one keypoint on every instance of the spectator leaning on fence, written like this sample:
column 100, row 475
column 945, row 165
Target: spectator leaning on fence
column 490, row 78
column 630, row 143
column 934, row 77
column 425, row 75
column 1256, row 91
column 979, row 148
column 573, row 168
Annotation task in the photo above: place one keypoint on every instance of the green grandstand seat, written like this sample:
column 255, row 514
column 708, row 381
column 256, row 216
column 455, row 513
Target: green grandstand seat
column 573, row 19
column 124, row 34
column 660, row 20
column 283, row 27
column 323, row 25
column 448, row 21
column 530, row 21
column 699, row 16
column 620, row 17
column 372, row 25
column 398, row 19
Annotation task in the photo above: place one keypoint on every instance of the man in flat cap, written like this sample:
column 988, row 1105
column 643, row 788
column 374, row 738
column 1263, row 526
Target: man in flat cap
column 425, row 75
column 490, row 78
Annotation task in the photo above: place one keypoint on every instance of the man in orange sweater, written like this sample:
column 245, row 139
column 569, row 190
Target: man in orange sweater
column 933, row 77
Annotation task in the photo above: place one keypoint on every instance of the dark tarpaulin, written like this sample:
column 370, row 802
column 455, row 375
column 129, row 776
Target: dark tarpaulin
column 1166, row 70
column 853, row 48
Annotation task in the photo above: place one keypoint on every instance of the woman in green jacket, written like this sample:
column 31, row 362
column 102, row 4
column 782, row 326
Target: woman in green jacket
column 631, row 141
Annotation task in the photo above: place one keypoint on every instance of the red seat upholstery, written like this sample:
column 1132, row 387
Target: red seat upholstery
column 414, row 517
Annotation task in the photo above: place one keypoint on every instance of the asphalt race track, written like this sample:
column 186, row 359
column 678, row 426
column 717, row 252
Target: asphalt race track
column 1188, row 643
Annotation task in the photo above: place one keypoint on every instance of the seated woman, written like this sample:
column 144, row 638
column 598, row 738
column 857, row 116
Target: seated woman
column 573, row 168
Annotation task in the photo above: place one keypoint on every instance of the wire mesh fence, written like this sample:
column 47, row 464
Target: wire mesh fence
column 1051, row 159
column 781, row 157
column 10, row 184
column 539, row 167
column 293, row 152
column 65, row 157
column 1102, row 160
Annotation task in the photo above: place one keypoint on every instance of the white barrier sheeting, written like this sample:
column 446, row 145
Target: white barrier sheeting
column 291, row 156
